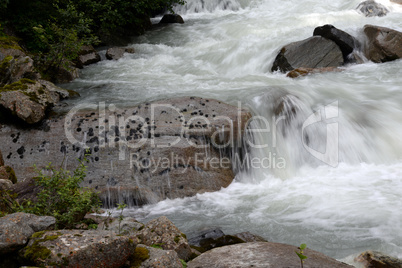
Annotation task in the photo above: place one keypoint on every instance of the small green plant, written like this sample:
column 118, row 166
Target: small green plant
column 61, row 196
column 300, row 254
column 184, row 263
column 157, row 245
column 121, row 208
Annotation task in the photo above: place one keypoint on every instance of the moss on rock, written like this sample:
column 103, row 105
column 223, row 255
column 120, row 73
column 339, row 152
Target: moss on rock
column 11, row 174
column 36, row 252
column 140, row 255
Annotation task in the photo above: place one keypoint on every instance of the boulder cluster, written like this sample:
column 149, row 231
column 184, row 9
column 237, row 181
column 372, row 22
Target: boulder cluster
column 330, row 48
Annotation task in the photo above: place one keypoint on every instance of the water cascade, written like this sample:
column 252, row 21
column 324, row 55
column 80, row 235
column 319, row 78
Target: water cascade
column 332, row 170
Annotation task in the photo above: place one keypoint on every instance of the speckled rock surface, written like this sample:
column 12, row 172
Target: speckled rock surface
column 159, row 258
column 128, row 226
column 16, row 228
column 78, row 248
column 263, row 255
column 163, row 232
column 165, row 149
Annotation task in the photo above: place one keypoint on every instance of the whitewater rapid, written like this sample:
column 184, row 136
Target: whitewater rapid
column 225, row 50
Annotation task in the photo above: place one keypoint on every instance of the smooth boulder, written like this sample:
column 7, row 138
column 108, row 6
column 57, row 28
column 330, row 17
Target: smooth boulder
column 16, row 228
column 345, row 41
column 261, row 254
column 371, row 8
column 384, row 44
column 314, row 52
column 78, row 248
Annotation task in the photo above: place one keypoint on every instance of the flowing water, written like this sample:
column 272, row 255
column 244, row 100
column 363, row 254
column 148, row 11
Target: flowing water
column 225, row 51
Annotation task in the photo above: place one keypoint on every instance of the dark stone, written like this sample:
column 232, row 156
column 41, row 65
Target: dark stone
column 384, row 44
column 371, row 8
column 314, row 52
column 249, row 237
column 214, row 233
column 172, row 18
column 345, row 41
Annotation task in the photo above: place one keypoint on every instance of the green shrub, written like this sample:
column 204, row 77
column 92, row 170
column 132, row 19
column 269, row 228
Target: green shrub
column 62, row 197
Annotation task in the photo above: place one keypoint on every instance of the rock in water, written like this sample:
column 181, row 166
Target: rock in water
column 172, row 18
column 165, row 149
column 263, row 255
column 397, row 1
column 115, row 53
column 371, row 8
column 374, row 259
column 384, row 44
column 345, row 41
column 87, row 55
column 314, row 52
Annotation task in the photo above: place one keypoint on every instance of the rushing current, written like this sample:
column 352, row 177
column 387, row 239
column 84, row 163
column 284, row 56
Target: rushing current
column 341, row 205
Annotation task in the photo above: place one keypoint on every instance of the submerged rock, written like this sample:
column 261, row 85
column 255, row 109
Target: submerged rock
column 384, row 44
column 172, row 18
column 306, row 71
column 314, row 52
column 16, row 228
column 375, row 259
column 261, row 254
column 78, row 248
column 345, row 41
column 370, row 8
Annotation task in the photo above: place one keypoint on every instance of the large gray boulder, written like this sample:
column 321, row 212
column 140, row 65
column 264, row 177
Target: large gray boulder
column 261, row 254
column 375, row 259
column 397, row 1
column 16, row 228
column 384, row 44
column 314, row 52
column 371, row 8
column 345, row 41
column 78, row 248
column 168, row 149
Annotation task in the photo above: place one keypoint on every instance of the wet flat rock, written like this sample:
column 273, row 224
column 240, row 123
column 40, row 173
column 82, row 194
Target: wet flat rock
column 170, row 148
column 261, row 254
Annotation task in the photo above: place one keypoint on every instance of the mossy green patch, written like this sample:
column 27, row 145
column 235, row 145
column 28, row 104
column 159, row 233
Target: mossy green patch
column 177, row 239
column 38, row 234
column 140, row 255
column 11, row 174
column 36, row 251
column 8, row 42
column 22, row 85
column 4, row 66
column 184, row 235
